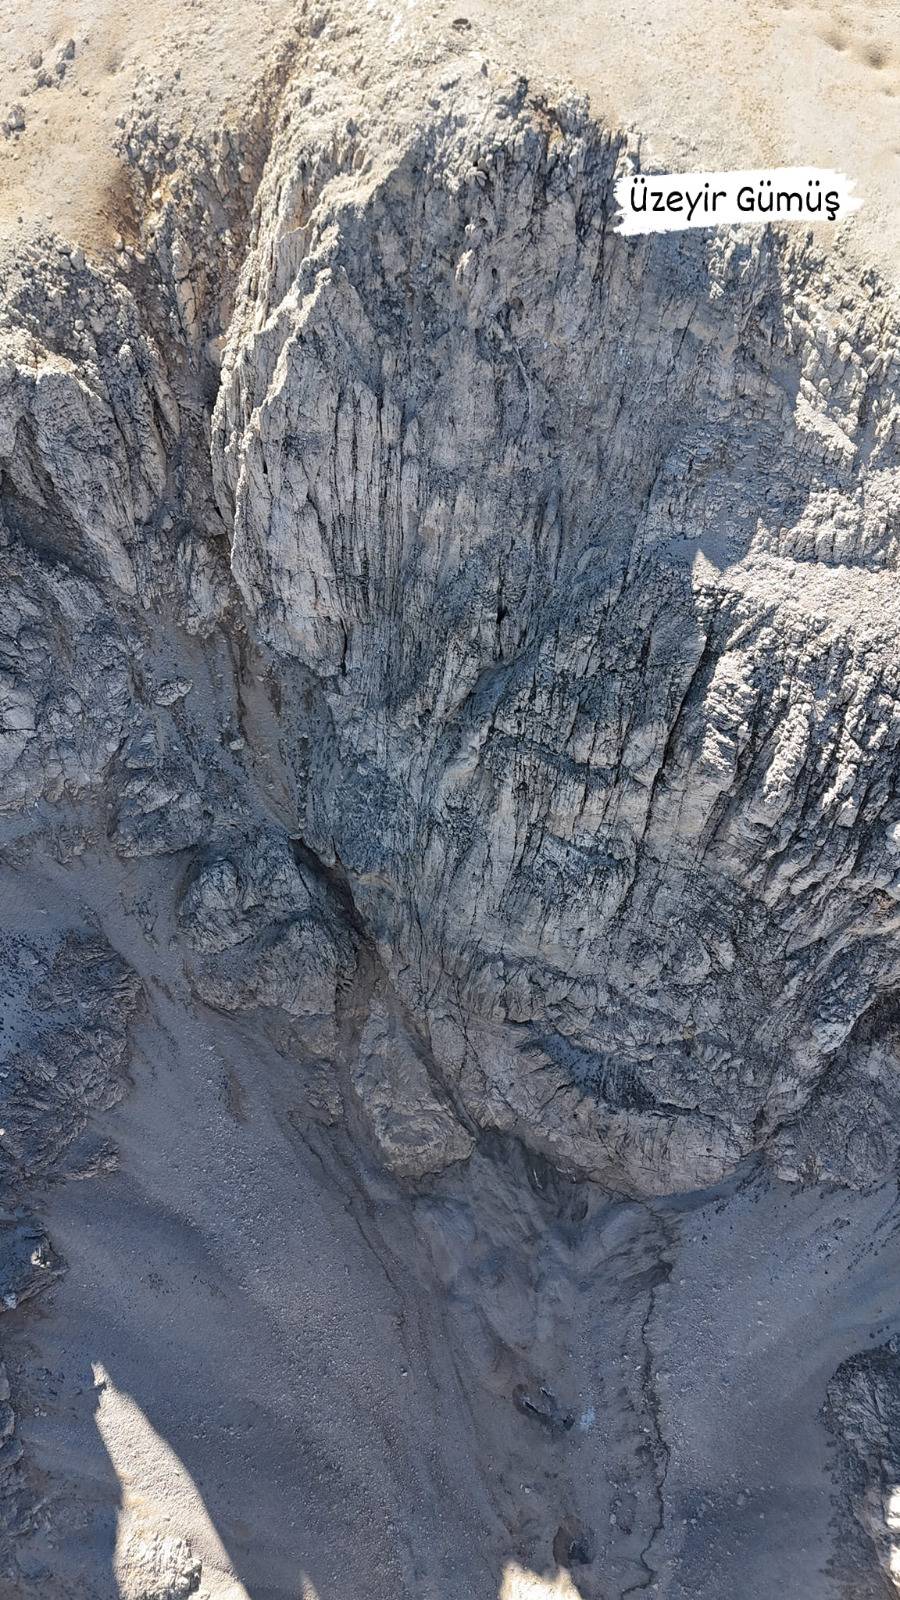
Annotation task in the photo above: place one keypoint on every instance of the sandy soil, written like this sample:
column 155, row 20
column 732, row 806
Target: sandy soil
column 728, row 85
column 261, row 1345
column 734, row 85
column 62, row 171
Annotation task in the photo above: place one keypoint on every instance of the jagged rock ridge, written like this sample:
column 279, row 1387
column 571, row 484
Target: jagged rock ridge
column 589, row 546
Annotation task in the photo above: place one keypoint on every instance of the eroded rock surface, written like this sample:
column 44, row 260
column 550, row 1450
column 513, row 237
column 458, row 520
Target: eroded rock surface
column 863, row 1401
column 588, row 543
column 448, row 655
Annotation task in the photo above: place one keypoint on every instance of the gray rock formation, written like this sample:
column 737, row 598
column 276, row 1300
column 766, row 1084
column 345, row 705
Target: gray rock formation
column 587, row 544
column 863, row 1401
column 414, row 1129
column 455, row 648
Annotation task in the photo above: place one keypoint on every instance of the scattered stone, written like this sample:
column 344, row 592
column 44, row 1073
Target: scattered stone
column 415, row 1129
column 172, row 690
column 541, row 1404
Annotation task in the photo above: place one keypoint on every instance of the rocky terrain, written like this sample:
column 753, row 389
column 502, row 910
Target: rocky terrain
column 449, row 834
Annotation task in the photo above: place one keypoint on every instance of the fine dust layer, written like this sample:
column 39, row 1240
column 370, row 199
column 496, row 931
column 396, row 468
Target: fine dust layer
column 449, row 849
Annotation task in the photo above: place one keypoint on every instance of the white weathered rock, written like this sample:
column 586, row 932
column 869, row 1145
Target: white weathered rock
column 173, row 690
column 589, row 546
column 414, row 1128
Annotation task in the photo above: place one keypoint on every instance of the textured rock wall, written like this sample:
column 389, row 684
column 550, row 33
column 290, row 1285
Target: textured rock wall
column 573, row 559
column 862, row 1410
column 488, row 627
column 588, row 546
